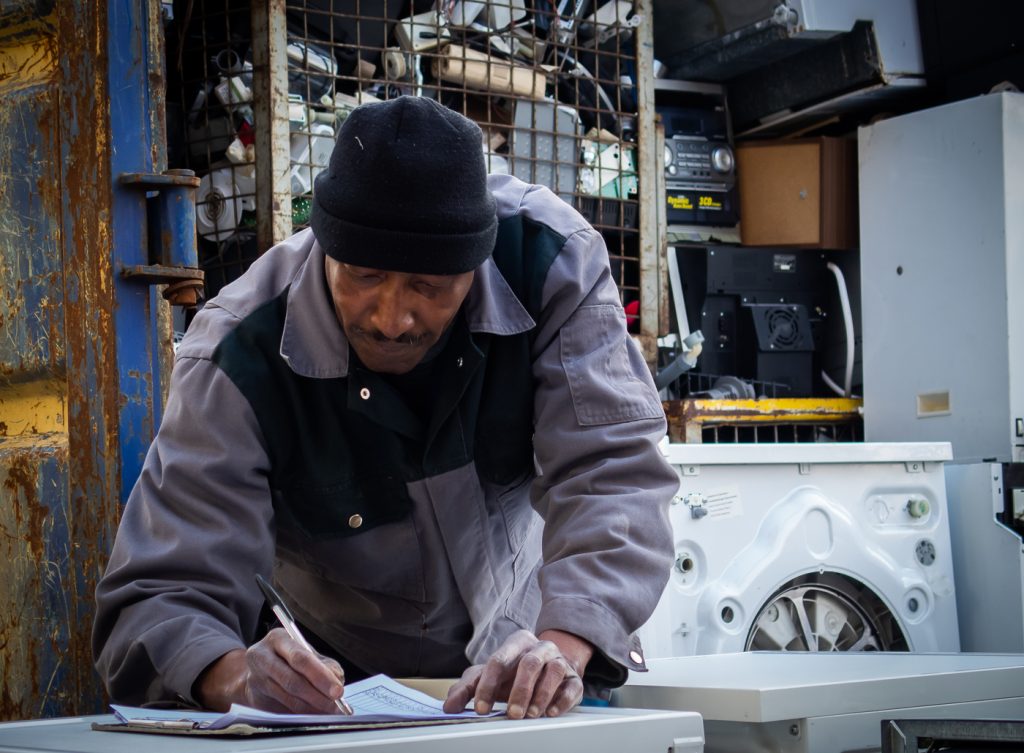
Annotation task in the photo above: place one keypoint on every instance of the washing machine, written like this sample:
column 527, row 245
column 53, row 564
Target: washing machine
column 808, row 547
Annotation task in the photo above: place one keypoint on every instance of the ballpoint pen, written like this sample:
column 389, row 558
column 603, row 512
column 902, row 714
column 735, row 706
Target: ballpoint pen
column 288, row 623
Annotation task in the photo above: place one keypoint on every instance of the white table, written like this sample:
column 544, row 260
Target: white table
column 801, row 702
column 589, row 730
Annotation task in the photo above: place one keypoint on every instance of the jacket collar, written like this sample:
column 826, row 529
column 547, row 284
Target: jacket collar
column 314, row 345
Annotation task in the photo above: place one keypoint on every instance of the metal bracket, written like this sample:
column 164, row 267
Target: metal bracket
column 185, row 285
column 173, row 240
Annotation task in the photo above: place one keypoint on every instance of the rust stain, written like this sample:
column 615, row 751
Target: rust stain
column 89, row 320
column 26, row 527
column 73, row 143
column 21, row 485
column 157, row 87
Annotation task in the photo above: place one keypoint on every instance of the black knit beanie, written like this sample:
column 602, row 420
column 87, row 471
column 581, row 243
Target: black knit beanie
column 406, row 191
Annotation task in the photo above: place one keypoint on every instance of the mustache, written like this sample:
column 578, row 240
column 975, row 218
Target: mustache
column 408, row 338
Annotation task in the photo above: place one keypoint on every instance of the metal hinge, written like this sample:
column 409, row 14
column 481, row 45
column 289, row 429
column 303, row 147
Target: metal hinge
column 175, row 236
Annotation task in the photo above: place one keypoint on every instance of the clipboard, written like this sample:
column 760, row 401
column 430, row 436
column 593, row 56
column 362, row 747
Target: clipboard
column 249, row 730
column 380, row 703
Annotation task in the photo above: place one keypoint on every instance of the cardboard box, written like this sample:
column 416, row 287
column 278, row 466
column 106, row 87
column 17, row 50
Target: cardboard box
column 798, row 192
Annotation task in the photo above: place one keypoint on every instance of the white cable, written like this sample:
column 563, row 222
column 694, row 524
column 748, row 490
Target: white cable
column 844, row 300
column 675, row 282
column 832, row 385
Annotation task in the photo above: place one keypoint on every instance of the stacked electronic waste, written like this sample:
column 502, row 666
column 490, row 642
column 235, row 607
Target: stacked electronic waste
column 551, row 86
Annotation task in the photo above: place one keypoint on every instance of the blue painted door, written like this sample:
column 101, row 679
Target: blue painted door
column 83, row 346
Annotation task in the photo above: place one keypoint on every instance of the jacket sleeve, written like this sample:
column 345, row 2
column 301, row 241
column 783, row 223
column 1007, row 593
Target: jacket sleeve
column 179, row 591
column 605, row 486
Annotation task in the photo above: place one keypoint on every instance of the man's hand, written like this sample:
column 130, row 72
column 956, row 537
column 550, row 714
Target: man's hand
column 276, row 674
column 537, row 675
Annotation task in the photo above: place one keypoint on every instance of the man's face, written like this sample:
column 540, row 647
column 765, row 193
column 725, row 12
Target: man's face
column 392, row 319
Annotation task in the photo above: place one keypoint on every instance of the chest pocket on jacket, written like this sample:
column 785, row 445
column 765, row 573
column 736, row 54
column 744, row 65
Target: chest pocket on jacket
column 341, row 509
column 340, row 474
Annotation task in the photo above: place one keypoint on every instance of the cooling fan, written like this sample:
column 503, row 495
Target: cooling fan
column 777, row 346
column 781, row 327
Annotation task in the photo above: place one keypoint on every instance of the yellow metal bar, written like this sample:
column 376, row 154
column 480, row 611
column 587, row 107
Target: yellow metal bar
column 687, row 418
column 773, row 410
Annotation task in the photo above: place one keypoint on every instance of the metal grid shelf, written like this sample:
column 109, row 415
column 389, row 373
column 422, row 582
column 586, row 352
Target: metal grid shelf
column 263, row 87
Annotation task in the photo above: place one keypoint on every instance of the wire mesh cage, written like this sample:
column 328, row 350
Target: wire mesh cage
column 552, row 86
column 211, row 127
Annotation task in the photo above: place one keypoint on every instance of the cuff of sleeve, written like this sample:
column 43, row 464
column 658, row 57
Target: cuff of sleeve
column 616, row 651
column 186, row 666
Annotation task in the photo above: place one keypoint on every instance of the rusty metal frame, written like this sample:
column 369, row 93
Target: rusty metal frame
column 270, row 108
column 93, row 380
column 664, row 300
column 688, row 418
column 653, row 308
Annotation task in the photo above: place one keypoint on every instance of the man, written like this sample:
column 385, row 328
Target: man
column 424, row 418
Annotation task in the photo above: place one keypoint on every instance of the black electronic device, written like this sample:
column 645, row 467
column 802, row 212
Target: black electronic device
column 758, row 309
column 778, row 347
column 700, row 167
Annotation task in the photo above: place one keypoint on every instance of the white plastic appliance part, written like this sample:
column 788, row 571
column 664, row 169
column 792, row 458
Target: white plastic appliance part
column 808, row 547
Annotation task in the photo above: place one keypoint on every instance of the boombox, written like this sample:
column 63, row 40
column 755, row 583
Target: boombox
column 700, row 168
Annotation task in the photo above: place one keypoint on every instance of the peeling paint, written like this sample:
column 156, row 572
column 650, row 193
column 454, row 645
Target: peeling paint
column 59, row 471
column 34, row 542
column 30, row 237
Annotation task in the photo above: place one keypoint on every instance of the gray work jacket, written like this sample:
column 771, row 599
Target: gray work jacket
column 580, row 542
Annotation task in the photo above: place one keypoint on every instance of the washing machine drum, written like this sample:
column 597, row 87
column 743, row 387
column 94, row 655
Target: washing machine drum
column 825, row 612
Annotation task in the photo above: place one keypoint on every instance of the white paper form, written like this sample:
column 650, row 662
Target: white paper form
column 375, row 699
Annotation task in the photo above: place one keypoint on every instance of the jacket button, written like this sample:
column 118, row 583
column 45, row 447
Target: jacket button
column 458, row 362
column 364, row 393
column 355, row 521
column 635, row 657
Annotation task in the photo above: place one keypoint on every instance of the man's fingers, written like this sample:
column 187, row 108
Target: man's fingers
column 499, row 672
column 286, row 672
column 315, row 670
column 463, row 690
column 496, row 673
column 534, row 676
column 551, row 680
column 567, row 696
column 543, row 660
